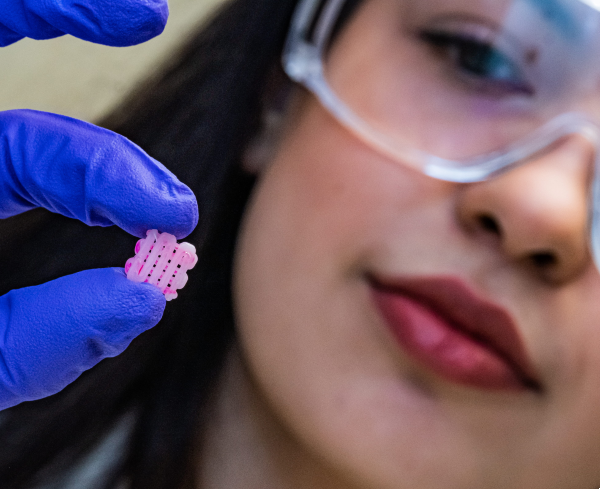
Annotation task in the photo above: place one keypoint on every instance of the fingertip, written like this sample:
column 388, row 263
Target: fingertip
column 186, row 218
column 144, row 301
column 153, row 304
column 179, row 213
column 175, row 212
column 120, row 24
column 144, row 20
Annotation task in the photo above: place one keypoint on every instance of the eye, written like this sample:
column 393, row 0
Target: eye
column 478, row 62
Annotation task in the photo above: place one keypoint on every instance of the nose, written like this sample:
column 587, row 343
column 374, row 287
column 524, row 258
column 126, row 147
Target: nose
column 536, row 214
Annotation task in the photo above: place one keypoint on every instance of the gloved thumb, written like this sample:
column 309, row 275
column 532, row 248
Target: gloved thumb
column 51, row 333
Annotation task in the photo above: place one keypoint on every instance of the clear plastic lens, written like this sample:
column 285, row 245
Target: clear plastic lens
column 595, row 4
column 452, row 79
column 459, row 79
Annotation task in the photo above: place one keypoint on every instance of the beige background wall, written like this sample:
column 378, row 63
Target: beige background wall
column 84, row 80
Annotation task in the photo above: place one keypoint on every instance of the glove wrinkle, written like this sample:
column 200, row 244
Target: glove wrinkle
column 8, row 36
column 108, row 22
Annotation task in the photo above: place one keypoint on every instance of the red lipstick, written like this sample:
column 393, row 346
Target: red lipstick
column 463, row 338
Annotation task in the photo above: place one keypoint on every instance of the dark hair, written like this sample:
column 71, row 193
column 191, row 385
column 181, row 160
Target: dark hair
column 196, row 118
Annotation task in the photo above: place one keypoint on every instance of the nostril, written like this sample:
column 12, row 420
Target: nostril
column 489, row 224
column 545, row 259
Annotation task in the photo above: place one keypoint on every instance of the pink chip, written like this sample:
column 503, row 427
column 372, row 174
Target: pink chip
column 162, row 262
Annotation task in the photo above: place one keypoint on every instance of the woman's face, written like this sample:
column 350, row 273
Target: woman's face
column 415, row 333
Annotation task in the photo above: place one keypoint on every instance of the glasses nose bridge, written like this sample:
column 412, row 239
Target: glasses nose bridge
column 589, row 129
column 577, row 125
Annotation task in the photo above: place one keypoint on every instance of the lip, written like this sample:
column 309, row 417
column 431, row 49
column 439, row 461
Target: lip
column 460, row 336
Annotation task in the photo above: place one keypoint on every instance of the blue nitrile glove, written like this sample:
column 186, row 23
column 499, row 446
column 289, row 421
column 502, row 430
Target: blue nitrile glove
column 109, row 22
column 51, row 333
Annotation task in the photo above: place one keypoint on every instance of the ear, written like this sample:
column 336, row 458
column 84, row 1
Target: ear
column 263, row 146
column 279, row 102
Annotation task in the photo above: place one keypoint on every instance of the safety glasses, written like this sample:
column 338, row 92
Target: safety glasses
column 461, row 90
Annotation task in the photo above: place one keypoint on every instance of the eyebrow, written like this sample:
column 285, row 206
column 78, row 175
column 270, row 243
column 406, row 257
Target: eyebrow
column 558, row 14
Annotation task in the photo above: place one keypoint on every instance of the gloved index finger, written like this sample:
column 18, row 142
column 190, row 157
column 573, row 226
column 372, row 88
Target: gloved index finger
column 110, row 22
column 83, row 171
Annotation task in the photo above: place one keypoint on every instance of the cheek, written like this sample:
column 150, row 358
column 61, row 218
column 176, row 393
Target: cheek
column 321, row 211
column 326, row 194
column 308, row 331
column 320, row 197
column 301, row 240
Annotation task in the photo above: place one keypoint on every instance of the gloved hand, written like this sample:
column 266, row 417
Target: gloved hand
column 109, row 22
column 51, row 333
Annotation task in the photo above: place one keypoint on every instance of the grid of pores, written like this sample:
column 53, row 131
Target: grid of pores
column 164, row 262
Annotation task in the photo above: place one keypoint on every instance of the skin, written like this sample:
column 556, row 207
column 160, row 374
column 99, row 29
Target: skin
column 317, row 393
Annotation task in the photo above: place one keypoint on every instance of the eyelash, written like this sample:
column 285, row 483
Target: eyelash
column 474, row 60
